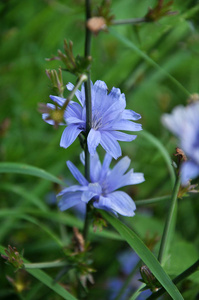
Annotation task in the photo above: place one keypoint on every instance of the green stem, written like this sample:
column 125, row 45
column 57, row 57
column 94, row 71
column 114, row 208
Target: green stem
column 129, row 21
column 82, row 78
column 169, row 221
column 155, row 141
column 127, row 281
column 177, row 279
column 151, row 200
column 50, row 264
column 136, row 294
column 88, row 114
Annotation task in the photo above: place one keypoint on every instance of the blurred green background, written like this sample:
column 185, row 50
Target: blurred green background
column 32, row 31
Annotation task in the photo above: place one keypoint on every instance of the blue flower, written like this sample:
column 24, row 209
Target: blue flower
column 184, row 123
column 102, row 188
column 109, row 116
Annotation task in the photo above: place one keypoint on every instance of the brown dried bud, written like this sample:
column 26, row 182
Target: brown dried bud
column 78, row 240
column 96, row 24
column 180, row 154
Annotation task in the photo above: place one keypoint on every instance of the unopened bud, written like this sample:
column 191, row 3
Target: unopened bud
column 96, row 24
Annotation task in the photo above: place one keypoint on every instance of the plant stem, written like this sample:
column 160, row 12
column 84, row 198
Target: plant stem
column 50, row 264
column 177, row 279
column 151, row 200
column 82, row 78
column 167, row 228
column 88, row 114
column 129, row 21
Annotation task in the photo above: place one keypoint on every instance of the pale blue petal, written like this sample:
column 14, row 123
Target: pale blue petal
column 128, row 114
column 93, row 140
column 59, row 100
column 70, row 133
column 82, row 158
column 119, row 202
column 110, row 145
column 115, row 93
column 94, row 189
column 175, row 121
column 99, row 92
column 95, row 168
column 73, row 188
column 129, row 178
column 126, row 125
column 105, row 167
column 121, row 136
column 73, row 110
column 69, row 199
column 189, row 170
column 121, row 167
column 76, row 173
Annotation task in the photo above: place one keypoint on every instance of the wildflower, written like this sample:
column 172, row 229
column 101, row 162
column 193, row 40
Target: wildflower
column 109, row 116
column 102, row 188
column 184, row 123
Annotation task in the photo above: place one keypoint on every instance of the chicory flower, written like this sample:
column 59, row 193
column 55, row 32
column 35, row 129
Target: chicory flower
column 109, row 117
column 102, row 188
column 184, row 123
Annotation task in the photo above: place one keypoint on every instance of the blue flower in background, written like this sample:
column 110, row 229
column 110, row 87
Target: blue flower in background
column 109, row 116
column 102, row 188
column 184, row 123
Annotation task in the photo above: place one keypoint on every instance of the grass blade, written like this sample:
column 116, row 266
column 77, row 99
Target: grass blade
column 145, row 255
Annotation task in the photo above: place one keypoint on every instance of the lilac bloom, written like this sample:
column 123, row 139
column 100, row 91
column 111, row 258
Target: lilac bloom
column 184, row 123
column 109, row 117
column 102, row 188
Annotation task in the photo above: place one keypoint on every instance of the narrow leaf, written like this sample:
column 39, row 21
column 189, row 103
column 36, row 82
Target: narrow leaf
column 8, row 167
column 145, row 254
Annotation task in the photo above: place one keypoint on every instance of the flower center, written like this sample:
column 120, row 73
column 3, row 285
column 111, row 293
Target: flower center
column 96, row 121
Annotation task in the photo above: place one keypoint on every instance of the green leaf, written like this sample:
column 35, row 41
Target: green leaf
column 47, row 280
column 8, row 167
column 145, row 254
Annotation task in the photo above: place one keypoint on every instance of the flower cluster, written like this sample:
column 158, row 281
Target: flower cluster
column 103, row 186
column 184, row 123
column 109, row 118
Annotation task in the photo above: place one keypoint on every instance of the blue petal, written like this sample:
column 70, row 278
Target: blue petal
column 58, row 100
column 99, row 92
column 94, row 189
column 175, row 121
column 189, row 170
column 122, row 203
column 105, row 167
column 126, row 125
column 130, row 115
column 93, row 140
column 70, row 133
column 73, row 188
column 95, row 168
column 110, row 144
column 76, row 173
column 73, row 110
column 119, row 202
column 129, row 178
column 69, row 199
column 121, row 136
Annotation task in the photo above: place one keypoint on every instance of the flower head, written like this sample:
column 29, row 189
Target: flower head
column 184, row 123
column 109, row 116
column 102, row 188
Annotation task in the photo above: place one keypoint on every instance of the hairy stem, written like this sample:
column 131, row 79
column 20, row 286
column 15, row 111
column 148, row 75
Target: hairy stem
column 50, row 264
column 169, row 221
column 88, row 114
